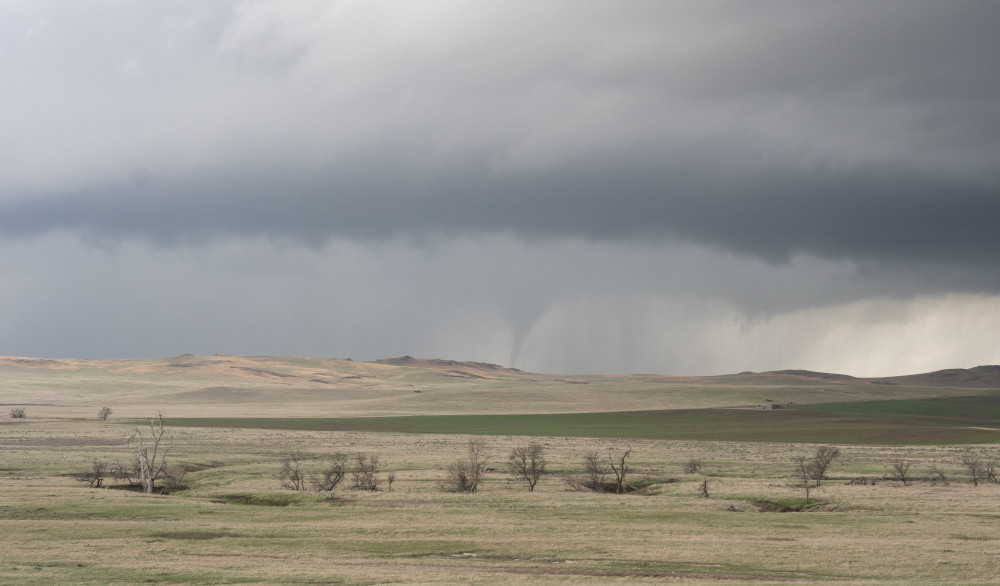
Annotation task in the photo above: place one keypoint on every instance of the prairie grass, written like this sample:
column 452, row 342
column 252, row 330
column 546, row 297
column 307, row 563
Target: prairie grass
column 58, row 530
column 234, row 524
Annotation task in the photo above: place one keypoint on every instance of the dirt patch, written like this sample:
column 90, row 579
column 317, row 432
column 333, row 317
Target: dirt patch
column 770, row 506
column 258, row 500
column 193, row 535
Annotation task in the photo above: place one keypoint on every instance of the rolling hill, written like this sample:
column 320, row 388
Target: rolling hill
column 245, row 386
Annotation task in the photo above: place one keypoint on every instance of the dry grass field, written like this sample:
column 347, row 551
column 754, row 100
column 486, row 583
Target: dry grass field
column 233, row 523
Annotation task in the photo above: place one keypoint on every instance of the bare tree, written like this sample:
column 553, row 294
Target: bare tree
column 990, row 469
column 822, row 460
column 704, row 489
column 899, row 470
column 477, row 457
column 973, row 463
column 150, row 459
column 596, row 472
column 619, row 468
column 805, row 472
column 291, row 475
column 17, row 413
column 810, row 471
column 95, row 476
column 528, row 462
column 693, row 466
column 465, row 473
column 364, row 472
column 104, row 413
column 331, row 476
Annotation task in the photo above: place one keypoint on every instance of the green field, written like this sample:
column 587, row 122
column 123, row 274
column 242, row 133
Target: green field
column 972, row 410
column 954, row 420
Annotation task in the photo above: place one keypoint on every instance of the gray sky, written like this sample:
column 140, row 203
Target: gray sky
column 674, row 187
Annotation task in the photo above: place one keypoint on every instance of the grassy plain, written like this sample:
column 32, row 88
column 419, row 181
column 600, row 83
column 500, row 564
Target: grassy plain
column 233, row 523
column 59, row 531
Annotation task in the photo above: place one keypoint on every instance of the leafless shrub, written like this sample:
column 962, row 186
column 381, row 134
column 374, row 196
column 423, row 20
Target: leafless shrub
column 973, row 464
column 461, row 477
column 104, row 413
column 291, row 475
column 95, row 476
column 899, row 470
column 704, row 490
column 126, row 472
column 390, row 478
column 332, row 474
column 364, row 472
column 822, row 460
column 575, row 482
column 596, row 472
column 173, row 476
column 693, row 466
column 935, row 474
column 150, row 460
column 477, row 454
column 464, row 474
column 990, row 469
column 17, row 413
column 528, row 462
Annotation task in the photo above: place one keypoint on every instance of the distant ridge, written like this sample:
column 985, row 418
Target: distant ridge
column 819, row 375
column 326, row 370
column 981, row 376
column 186, row 385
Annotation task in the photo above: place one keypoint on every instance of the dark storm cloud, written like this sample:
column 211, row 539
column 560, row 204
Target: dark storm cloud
column 887, row 214
column 837, row 129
